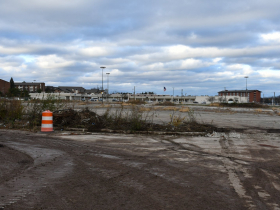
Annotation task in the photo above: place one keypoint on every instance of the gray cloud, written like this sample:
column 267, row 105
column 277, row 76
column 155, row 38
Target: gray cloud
column 197, row 46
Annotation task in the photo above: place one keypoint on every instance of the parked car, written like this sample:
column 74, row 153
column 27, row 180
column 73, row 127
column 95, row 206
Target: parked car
column 115, row 99
column 94, row 99
column 195, row 102
column 83, row 99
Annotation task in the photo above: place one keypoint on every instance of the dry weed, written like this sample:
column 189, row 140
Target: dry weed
column 215, row 104
column 126, row 104
column 144, row 109
column 176, row 120
column 184, row 109
column 276, row 110
column 104, row 106
column 171, row 108
column 158, row 108
column 258, row 110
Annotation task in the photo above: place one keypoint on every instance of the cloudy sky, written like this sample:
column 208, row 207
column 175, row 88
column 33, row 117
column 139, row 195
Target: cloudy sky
column 199, row 46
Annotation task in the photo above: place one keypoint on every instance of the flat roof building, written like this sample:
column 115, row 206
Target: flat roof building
column 253, row 95
column 31, row 87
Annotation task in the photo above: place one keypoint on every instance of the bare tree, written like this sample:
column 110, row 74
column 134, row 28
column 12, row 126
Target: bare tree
column 220, row 99
column 211, row 99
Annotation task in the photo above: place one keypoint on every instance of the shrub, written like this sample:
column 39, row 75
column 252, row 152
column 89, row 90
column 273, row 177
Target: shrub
column 10, row 110
column 176, row 120
column 35, row 108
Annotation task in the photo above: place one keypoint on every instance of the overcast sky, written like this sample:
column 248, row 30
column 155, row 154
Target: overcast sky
column 199, row 46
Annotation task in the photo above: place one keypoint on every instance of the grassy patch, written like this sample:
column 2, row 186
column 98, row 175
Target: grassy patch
column 165, row 103
column 184, row 109
column 136, row 102
column 244, row 105
column 171, row 108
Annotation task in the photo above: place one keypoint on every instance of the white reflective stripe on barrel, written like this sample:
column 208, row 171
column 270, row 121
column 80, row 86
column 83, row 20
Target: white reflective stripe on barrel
column 47, row 125
column 47, row 118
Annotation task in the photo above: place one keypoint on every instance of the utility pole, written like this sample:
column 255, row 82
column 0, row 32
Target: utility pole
column 225, row 94
column 274, row 99
column 246, row 77
column 134, row 94
column 107, row 85
column 102, row 67
column 173, row 95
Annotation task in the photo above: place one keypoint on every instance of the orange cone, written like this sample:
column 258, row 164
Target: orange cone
column 47, row 121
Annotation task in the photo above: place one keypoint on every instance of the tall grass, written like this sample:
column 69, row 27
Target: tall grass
column 15, row 114
column 135, row 119
column 11, row 110
column 35, row 108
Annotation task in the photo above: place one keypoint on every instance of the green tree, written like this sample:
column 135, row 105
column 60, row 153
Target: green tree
column 13, row 92
column 12, row 84
column 25, row 94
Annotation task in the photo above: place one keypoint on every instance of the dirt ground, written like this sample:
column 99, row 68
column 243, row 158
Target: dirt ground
column 71, row 170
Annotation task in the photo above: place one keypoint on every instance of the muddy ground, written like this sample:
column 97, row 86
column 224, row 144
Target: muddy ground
column 72, row 170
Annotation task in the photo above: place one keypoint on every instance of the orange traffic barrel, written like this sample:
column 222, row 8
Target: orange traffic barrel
column 47, row 121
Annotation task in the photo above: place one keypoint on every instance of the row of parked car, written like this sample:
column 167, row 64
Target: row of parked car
column 96, row 99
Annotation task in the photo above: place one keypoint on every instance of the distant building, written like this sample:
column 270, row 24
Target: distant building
column 50, row 89
column 69, row 89
column 94, row 91
column 4, row 86
column 31, row 87
column 253, row 95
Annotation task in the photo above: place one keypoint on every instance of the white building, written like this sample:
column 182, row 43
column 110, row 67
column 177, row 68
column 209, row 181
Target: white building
column 143, row 97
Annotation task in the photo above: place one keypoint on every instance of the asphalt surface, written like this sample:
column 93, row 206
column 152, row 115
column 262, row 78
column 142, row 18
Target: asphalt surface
column 70, row 170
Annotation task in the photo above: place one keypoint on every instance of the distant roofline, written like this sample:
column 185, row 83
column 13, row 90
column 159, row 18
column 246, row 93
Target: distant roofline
column 28, row 83
column 238, row 91
column 70, row 87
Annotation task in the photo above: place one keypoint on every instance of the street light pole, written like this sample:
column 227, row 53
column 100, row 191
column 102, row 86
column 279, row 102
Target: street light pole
column 246, row 77
column 173, row 95
column 107, row 85
column 102, row 67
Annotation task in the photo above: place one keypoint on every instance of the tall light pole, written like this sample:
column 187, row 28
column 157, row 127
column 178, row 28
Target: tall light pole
column 173, row 95
column 225, row 95
column 107, row 85
column 102, row 67
column 246, row 77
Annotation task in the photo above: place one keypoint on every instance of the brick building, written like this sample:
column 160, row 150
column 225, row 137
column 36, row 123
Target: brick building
column 4, row 86
column 31, row 87
column 253, row 95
